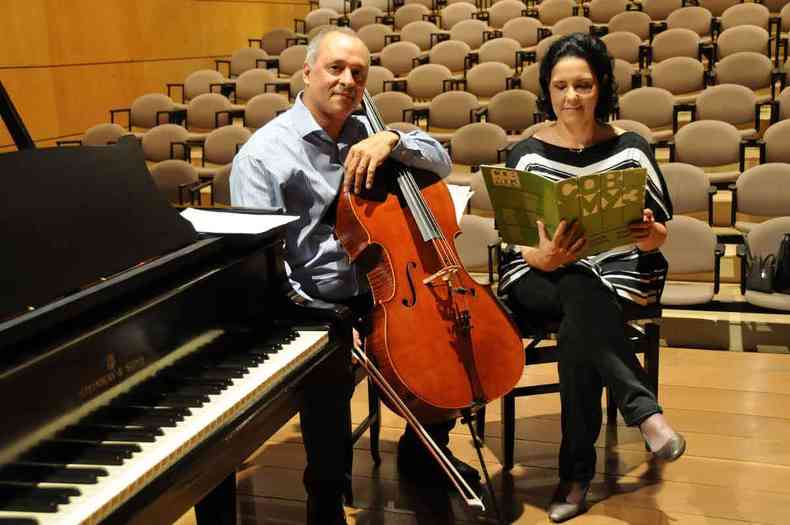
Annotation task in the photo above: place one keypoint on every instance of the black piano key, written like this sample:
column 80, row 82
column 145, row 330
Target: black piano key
column 97, row 433
column 162, row 399
column 137, row 416
column 222, row 384
column 178, row 387
column 18, row 521
column 30, row 498
column 264, row 350
column 65, row 453
column 51, row 474
column 212, row 373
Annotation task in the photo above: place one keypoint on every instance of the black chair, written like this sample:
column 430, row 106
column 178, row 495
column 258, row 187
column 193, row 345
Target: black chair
column 642, row 330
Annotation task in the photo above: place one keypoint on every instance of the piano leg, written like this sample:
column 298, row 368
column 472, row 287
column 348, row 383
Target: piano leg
column 219, row 505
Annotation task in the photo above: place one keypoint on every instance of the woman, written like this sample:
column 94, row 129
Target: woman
column 551, row 279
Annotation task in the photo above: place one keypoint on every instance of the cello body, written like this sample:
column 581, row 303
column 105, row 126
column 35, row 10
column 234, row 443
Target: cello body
column 440, row 339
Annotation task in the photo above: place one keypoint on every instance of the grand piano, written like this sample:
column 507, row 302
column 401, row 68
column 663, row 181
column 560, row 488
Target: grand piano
column 140, row 362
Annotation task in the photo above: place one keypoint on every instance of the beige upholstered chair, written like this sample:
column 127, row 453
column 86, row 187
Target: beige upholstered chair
column 710, row 144
column 524, row 29
column 274, row 41
column 777, row 142
column 684, row 77
column 376, row 77
column 636, row 127
column 731, row 103
column 419, row 32
column 742, row 38
column 717, row 7
column 243, row 60
column 763, row 240
column 450, row 111
column 219, row 149
column 601, row 11
column 690, row 248
column 623, row 45
column 689, row 190
column 543, row 46
column 535, row 128
column 572, row 24
column 98, row 135
column 480, row 201
column 454, row 13
column 529, row 79
column 166, row 141
column 477, row 234
column 363, row 16
column 405, row 127
column 198, row 83
column 292, row 60
column 206, row 112
column 409, row 13
column 487, row 79
column 552, row 11
column 513, row 110
column 781, row 109
column 745, row 14
column 659, row 10
column 262, row 108
column 426, row 81
column 254, row 82
column 295, row 84
column 222, row 185
column 450, row 53
column 501, row 50
column 316, row 17
column 374, row 37
column 762, row 191
column 502, row 12
column 636, row 22
column 695, row 18
column 176, row 179
column 750, row 69
column 677, row 42
column 391, row 105
column 399, row 57
column 625, row 74
column 653, row 107
column 469, row 31
column 146, row 112
column 472, row 145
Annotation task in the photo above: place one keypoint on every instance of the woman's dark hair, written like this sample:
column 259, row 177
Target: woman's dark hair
column 591, row 49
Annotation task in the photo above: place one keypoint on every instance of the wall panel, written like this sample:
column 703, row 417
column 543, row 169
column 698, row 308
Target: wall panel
column 66, row 63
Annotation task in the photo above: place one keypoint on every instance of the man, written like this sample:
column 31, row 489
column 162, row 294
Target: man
column 299, row 161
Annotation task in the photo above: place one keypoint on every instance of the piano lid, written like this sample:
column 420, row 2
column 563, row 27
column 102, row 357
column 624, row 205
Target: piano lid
column 72, row 216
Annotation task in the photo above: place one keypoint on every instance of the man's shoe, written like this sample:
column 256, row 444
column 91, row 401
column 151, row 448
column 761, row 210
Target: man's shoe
column 561, row 510
column 325, row 509
column 672, row 449
column 420, row 466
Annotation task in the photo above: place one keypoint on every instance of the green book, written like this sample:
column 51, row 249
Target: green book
column 604, row 204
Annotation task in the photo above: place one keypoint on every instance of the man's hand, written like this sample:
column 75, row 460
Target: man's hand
column 565, row 247
column 365, row 156
column 648, row 234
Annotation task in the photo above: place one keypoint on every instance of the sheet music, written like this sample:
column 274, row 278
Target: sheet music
column 460, row 196
column 223, row 222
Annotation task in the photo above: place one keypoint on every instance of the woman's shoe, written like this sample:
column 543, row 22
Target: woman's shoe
column 672, row 449
column 561, row 510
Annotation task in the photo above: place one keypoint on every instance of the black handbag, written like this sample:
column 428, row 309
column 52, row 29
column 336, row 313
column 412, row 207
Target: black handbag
column 760, row 272
column 782, row 274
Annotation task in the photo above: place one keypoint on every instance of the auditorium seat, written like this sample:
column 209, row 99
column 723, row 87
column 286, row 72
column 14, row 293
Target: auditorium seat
column 207, row 112
column 654, row 107
column 572, row 24
column 625, row 76
column 448, row 112
column 528, row 79
column 717, row 7
column 146, row 112
column 750, row 69
column 198, row 83
column 255, row 82
column 601, row 11
column 262, row 108
column 689, row 189
column 470, row 31
column 317, row 17
column 635, row 22
column 409, row 13
column 710, row 144
column 524, row 29
column 543, row 46
column 177, row 180
column 501, row 12
column 677, row 42
column 636, row 127
column 743, row 38
column 166, row 141
column 513, row 110
column 450, row 53
column 763, row 191
column 763, row 240
column 374, row 37
column 221, row 188
column 363, row 16
column 731, row 103
column 486, row 80
column 549, row 12
column 399, row 57
column 243, row 60
column 684, row 77
column 502, row 50
column 623, row 45
column 695, row 18
column 98, row 135
column 219, row 148
column 454, row 13
column 291, row 60
column 477, row 234
column 423, row 83
column 690, row 248
column 472, row 145
column 659, row 10
column 392, row 104
column 745, row 14
column 420, row 32
column 777, row 142
column 376, row 77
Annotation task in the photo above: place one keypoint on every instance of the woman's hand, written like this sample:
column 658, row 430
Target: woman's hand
column 563, row 248
column 648, row 234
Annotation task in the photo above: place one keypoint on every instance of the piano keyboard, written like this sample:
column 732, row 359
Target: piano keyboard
column 90, row 468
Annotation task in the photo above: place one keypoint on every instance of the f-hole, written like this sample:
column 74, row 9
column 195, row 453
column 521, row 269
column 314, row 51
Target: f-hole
column 409, row 302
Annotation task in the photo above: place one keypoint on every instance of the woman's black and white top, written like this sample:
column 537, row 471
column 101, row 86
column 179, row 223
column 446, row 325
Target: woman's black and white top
column 634, row 275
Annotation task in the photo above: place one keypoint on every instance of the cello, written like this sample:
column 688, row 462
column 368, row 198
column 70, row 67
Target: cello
column 441, row 341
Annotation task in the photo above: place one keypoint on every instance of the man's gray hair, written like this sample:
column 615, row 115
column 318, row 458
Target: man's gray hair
column 315, row 43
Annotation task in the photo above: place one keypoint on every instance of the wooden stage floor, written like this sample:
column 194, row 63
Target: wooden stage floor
column 733, row 408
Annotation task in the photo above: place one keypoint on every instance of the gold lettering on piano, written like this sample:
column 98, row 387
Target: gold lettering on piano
column 116, row 373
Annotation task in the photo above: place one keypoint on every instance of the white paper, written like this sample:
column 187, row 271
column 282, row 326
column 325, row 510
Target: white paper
column 222, row 222
column 460, row 196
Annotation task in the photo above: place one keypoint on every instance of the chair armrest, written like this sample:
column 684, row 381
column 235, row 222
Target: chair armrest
column 494, row 252
column 740, row 251
column 391, row 38
column 435, row 38
column 543, row 32
column 775, row 111
column 524, row 56
column 501, row 154
column 481, row 15
column 750, row 143
column 278, row 86
column 340, row 21
column 718, row 254
column 476, row 115
column 128, row 112
column 295, row 41
column 268, row 63
column 436, row 19
column 633, row 6
column 491, row 34
column 512, row 83
column 712, row 190
column 656, row 28
column 715, row 28
column 671, row 146
column 709, row 51
column 61, row 143
column 470, row 60
column 420, row 60
column 170, row 86
column 251, row 41
column 217, row 115
column 220, row 61
column 677, row 108
column 777, row 75
column 300, row 23
column 186, row 150
column 387, row 20
column 733, row 187
column 599, row 31
column 758, row 106
column 531, row 12
column 395, row 85
column 177, row 116
column 194, row 191
column 645, row 56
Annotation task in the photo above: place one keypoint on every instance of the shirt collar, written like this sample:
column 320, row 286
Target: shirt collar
column 303, row 121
